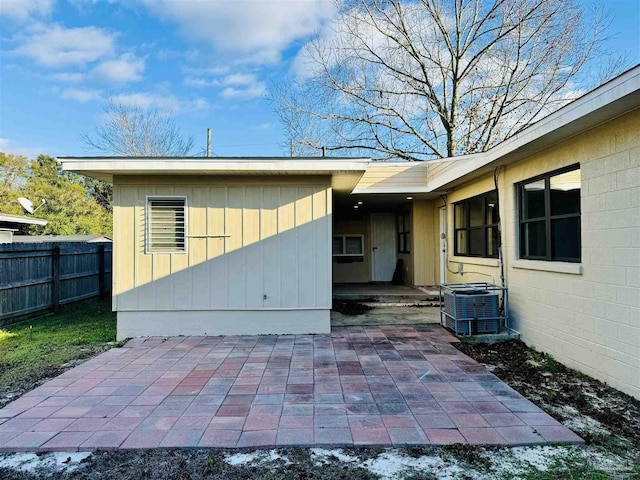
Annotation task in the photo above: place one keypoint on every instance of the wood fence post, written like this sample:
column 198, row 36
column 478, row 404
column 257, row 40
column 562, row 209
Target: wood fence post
column 102, row 278
column 55, row 271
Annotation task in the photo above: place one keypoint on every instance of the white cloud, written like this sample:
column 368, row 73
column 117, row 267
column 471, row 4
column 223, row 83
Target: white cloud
column 170, row 103
column 68, row 77
column 125, row 68
column 4, row 143
column 233, row 93
column 239, row 79
column 82, row 95
column 200, row 82
column 236, row 86
column 56, row 46
column 247, row 31
column 21, row 10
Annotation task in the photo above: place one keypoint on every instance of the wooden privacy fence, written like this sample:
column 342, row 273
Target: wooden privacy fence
column 43, row 276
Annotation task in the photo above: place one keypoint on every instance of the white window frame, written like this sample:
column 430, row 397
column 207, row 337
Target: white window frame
column 344, row 245
column 146, row 223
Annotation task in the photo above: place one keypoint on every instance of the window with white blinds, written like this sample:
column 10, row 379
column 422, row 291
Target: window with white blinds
column 166, row 225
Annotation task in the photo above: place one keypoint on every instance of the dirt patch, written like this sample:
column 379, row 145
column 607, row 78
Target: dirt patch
column 561, row 391
column 347, row 307
column 283, row 464
column 455, row 462
column 36, row 379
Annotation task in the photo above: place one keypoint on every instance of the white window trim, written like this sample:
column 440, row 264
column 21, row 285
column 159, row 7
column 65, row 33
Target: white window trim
column 146, row 223
column 484, row 261
column 547, row 266
column 344, row 245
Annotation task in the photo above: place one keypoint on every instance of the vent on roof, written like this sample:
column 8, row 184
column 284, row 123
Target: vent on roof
column 166, row 225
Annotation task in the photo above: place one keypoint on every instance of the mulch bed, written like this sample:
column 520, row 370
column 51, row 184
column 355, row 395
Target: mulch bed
column 346, row 307
column 540, row 378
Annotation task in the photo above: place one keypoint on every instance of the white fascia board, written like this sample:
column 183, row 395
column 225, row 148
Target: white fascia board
column 24, row 220
column 131, row 166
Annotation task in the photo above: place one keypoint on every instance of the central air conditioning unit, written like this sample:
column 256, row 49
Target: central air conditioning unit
column 469, row 310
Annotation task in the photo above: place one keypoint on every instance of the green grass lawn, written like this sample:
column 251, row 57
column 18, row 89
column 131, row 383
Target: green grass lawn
column 77, row 331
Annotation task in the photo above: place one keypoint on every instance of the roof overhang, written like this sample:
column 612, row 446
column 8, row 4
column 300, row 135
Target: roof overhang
column 617, row 97
column 105, row 168
column 18, row 219
column 613, row 99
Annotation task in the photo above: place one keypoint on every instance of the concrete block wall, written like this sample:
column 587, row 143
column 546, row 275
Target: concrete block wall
column 586, row 315
column 588, row 319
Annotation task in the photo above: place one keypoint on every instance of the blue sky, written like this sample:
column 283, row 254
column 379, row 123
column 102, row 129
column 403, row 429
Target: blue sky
column 210, row 62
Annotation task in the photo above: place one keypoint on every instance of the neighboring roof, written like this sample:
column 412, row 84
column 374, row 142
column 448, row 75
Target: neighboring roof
column 20, row 219
column 104, row 168
column 60, row 238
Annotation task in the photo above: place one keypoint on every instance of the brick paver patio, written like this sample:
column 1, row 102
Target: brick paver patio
column 392, row 385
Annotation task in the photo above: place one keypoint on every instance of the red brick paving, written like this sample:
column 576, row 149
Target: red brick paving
column 394, row 385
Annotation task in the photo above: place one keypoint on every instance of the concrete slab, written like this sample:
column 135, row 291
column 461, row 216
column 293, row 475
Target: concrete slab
column 384, row 292
column 386, row 314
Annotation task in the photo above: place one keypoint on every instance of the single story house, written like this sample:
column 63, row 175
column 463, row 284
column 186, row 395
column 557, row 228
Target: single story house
column 208, row 246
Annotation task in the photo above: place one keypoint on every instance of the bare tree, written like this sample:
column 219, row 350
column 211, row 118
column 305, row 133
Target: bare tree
column 436, row 78
column 132, row 131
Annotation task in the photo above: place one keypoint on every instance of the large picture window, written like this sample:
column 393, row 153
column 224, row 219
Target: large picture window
column 550, row 216
column 166, row 225
column 403, row 221
column 476, row 226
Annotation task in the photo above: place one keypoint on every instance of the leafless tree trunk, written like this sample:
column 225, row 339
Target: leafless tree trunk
column 435, row 78
column 135, row 132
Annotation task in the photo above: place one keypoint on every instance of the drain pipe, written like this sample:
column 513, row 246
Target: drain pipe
column 496, row 176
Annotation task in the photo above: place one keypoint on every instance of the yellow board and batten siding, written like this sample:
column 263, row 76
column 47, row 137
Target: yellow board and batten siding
column 424, row 247
column 251, row 245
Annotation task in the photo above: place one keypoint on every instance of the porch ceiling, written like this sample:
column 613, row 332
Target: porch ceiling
column 376, row 201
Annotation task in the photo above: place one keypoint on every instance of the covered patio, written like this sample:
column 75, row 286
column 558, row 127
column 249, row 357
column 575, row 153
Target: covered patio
column 386, row 385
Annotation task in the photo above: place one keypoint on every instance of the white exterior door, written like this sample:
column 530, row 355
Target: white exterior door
column 383, row 246
column 443, row 245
